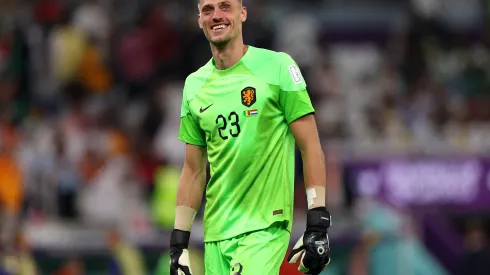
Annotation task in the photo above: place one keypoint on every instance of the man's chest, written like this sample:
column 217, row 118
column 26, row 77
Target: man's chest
column 227, row 110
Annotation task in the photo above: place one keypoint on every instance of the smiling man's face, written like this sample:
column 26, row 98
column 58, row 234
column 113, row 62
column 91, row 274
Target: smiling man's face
column 221, row 20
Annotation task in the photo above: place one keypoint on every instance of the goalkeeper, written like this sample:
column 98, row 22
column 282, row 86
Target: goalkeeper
column 243, row 112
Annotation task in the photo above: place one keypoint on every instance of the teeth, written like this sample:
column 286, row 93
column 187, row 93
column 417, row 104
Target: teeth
column 219, row 27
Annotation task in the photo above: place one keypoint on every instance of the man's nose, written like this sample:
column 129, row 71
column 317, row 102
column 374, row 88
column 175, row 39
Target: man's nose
column 217, row 15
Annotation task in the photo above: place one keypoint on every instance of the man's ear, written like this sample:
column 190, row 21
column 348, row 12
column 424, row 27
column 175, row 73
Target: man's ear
column 199, row 20
column 243, row 15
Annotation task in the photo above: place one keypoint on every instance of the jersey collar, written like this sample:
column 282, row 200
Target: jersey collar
column 244, row 57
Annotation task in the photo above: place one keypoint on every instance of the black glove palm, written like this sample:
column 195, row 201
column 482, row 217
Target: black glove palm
column 179, row 256
column 314, row 246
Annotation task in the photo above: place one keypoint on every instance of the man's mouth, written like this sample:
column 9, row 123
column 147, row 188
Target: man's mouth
column 219, row 27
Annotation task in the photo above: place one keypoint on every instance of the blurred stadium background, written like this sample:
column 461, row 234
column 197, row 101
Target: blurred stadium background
column 90, row 96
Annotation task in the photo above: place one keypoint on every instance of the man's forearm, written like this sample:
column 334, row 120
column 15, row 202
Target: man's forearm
column 191, row 187
column 313, row 247
column 189, row 197
column 315, row 176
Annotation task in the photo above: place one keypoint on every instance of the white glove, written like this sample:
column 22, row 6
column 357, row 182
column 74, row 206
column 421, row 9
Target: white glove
column 179, row 262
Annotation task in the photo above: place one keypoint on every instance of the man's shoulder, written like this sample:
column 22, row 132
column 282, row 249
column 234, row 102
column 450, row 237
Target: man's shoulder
column 200, row 74
column 269, row 57
column 196, row 80
column 268, row 64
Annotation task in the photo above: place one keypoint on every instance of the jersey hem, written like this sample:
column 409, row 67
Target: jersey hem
column 299, row 114
column 191, row 141
column 227, row 236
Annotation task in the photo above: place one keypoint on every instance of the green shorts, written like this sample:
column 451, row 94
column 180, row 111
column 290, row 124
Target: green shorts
column 259, row 252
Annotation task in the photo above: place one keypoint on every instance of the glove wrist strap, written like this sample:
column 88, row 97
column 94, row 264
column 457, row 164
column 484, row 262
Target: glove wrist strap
column 318, row 219
column 180, row 239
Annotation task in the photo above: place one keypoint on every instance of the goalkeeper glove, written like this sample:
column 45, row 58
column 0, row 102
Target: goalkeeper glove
column 313, row 247
column 179, row 255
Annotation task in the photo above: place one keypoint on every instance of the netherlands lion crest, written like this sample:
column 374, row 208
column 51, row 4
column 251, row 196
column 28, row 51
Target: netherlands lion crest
column 248, row 96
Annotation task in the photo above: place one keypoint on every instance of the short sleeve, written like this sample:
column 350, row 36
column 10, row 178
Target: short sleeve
column 293, row 96
column 189, row 131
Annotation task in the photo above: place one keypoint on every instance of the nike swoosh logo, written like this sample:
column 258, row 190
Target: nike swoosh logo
column 202, row 110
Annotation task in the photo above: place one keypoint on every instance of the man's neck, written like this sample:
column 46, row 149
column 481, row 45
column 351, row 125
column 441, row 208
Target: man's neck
column 228, row 55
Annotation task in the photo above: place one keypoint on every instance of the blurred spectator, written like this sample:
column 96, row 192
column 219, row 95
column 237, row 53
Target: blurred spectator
column 163, row 38
column 154, row 115
column 112, row 181
column 126, row 259
column 136, row 59
column 73, row 121
column 67, row 46
column 391, row 242
column 71, row 267
column 11, row 187
column 93, row 70
column 93, row 20
column 48, row 12
column 476, row 258
column 26, row 263
column 7, row 80
column 68, row 181
column 257, row 32
column 166, row 145
column 164, row 196
column 90, row 165
column 297, row 35
column 147, row 165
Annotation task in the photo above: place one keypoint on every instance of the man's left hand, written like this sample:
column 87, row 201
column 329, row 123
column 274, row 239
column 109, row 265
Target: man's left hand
column 313, row 247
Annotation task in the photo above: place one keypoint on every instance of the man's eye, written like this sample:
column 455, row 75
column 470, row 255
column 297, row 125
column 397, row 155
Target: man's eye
column 226, row 7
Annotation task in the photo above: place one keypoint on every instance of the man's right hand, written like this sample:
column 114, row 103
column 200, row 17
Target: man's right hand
column 179, row 255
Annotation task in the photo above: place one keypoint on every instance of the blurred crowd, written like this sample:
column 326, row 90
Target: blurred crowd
column 90, row 95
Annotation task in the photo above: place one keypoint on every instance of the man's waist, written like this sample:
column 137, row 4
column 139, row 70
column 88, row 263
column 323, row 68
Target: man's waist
column 214, row 233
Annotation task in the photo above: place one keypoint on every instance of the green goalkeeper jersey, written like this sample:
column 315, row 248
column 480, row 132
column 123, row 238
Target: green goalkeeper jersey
column 242, row 116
